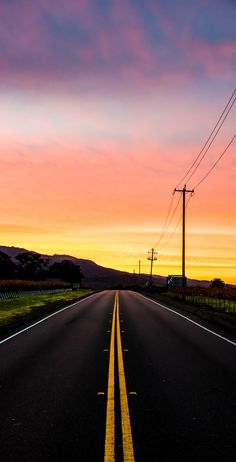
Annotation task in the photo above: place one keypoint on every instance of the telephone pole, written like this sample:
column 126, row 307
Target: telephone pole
column 184, row 191
column 151, row 256
column 139, row 267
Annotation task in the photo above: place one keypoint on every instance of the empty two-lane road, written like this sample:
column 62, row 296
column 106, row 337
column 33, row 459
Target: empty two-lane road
column 118, row 377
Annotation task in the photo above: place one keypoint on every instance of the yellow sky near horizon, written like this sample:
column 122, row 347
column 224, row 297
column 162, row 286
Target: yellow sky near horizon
column 208, row 254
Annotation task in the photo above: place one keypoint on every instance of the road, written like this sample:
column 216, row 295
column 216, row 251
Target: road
column 118, row 377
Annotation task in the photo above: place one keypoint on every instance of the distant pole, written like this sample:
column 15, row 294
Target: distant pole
column 151, row 257
column 139, row 267
column 184, row 191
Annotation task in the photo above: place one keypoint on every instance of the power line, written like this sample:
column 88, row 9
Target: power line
column 173, row 214
column 208, row 139
column 170, row 221
column 172, row 233
column 201, row 159
column 177, row 224
column 167, row 216
column 191, row 171
column 198, row 184
column 216, row 162
column 198, row 161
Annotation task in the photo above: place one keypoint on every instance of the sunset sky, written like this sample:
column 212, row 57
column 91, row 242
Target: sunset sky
column 105, row 104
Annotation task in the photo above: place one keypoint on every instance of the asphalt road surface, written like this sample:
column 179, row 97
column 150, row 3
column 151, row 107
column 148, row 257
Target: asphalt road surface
column 118, row 377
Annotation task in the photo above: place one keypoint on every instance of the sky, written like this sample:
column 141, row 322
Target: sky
column 104, row 105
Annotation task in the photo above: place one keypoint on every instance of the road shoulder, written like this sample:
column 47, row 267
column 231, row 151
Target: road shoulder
column 39, row 312
column 226, row 321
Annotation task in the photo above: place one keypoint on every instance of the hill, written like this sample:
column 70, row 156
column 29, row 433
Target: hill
column 96, row 276
column 100, row 277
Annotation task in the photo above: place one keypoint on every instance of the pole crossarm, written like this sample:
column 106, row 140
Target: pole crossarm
column 184, row 189
column 152, row 255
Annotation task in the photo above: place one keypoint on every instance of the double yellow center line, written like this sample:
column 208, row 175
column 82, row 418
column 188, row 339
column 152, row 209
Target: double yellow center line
column 127, row 442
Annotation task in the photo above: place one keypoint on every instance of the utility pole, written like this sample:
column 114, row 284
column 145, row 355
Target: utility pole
column 184, row 191
column 151, row 256
column 139, row 267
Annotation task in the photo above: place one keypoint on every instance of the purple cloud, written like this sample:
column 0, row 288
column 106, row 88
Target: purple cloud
column 102, row 43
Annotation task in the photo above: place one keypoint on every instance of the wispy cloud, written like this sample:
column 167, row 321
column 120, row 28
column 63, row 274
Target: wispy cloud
column 100, row 44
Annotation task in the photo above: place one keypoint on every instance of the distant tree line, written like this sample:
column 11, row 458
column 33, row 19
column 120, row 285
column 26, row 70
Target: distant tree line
column 31, row 266
column 217, row 283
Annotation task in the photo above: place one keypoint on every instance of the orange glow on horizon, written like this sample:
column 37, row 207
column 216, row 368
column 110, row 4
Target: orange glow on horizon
column 123, row 248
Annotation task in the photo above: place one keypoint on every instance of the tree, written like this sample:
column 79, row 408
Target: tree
column 217, row 283
column 31, row 265
column 7, row 267
column 67, row 271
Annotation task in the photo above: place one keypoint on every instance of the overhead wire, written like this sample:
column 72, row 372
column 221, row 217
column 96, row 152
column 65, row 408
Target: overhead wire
column 196, row 164
column 226, row 110
column 215, row 163
column 172, row 232
column 197, row 185
column 171, row 219
column 171, row 235
column 177, row 224
column 201, row 159
column 166, row 226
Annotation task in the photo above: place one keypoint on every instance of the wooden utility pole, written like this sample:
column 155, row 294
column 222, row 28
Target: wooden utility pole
column 151, row 256
column 184, row 191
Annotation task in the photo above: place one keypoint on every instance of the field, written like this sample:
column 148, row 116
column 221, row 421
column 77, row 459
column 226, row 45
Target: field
column 13, row 308
column 18, row 284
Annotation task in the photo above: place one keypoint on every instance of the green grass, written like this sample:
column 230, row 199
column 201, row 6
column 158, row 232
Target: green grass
column 218, row 304
column 13, row 307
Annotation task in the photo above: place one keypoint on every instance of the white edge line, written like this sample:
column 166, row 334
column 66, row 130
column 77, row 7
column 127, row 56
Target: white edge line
column 190, row 320
column 44, row 319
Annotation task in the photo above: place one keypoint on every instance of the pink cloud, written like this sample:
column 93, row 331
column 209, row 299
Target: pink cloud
column 21, row 31
column 113, row 49
column 57, row 43
column 215, row 58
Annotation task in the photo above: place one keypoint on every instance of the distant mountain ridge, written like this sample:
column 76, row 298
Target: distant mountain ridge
column 96, row 276
column 99, row 277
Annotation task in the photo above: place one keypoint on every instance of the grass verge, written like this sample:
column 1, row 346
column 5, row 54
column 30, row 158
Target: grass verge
column 22, row 307
column 222, row 319
column 217, row 304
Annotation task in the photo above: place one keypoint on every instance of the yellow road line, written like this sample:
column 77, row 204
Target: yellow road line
column 109, row 455
column 127, row 440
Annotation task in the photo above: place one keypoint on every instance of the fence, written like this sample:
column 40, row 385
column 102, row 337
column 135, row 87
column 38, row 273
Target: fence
column 224, row 305
column 23, row 293
column 218, row 304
